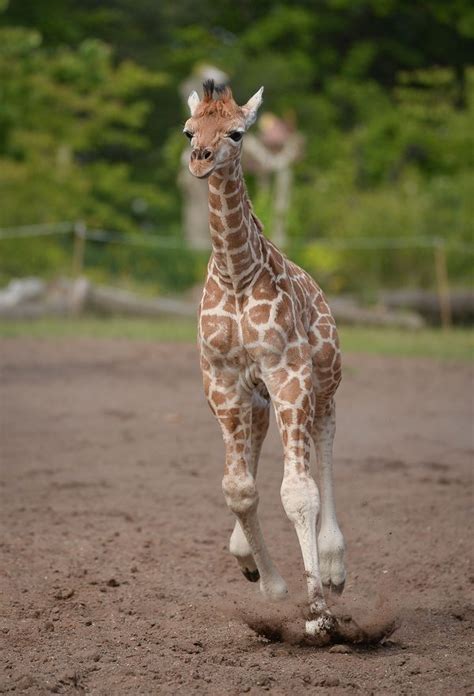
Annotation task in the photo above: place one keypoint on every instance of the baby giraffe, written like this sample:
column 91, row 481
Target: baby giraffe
column 266, row 335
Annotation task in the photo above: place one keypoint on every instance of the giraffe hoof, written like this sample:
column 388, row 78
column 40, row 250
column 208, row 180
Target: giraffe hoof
column 337, row 589
column 251, row 575
column 322, row 628
column 274, row 589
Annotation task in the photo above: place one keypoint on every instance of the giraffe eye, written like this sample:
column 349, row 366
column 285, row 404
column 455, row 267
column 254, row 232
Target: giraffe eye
column 236, row 136
column 188, row 134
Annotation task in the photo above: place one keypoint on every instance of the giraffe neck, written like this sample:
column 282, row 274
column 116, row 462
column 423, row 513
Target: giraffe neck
column 237, row 241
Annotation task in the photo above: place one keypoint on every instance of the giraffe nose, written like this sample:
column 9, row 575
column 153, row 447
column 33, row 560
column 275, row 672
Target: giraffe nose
column 201, row 154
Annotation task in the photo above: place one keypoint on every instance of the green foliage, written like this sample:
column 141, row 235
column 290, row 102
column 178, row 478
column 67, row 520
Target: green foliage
column 163, row 269
column 405, row 171
column 383, row 91
column 70, row 122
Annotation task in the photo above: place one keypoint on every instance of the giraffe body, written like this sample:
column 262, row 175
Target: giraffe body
column 266, row 336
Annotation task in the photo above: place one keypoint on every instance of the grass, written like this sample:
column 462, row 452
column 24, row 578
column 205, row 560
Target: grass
column 456, row 344
column 94, row 327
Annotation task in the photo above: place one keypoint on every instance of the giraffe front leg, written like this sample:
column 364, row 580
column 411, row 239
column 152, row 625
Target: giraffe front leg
column 238, row 545
column 240, row 490
column 330, row 540
column 295, row 405
column 300, row 498
column 241, row 496
column 240, row 549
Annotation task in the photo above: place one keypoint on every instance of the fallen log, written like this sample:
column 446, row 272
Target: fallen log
column 427, row 304
column 64, row 297
column 35, row 310
column 105, row 300
column 20, row 291
column 347, row 311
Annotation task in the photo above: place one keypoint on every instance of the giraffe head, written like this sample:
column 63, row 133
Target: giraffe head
column 216, row 127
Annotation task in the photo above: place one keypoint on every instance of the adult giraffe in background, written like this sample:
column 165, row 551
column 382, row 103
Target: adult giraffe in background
column 266, row 335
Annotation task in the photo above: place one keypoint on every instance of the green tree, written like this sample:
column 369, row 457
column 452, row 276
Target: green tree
column 69, row 121
column 381, row 89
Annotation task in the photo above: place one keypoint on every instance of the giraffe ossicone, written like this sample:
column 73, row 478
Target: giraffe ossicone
column 266, row 336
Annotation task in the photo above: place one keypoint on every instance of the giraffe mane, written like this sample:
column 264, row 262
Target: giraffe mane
column 208, row 88
column 257, row 221
column 216, row 92
column 217, row 101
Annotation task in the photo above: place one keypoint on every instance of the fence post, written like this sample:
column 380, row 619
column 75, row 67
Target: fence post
column 79, row 249
column 442, row 283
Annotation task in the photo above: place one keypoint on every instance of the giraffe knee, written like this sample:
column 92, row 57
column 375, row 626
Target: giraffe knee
column 300, row 497
column 240, row 492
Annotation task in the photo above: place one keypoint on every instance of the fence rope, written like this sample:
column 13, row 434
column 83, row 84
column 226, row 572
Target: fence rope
column 115, row 238
column 163, row 242
column 360, row 243
column 36, row 230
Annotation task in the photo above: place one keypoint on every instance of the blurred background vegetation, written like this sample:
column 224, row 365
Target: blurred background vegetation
column 383, row 91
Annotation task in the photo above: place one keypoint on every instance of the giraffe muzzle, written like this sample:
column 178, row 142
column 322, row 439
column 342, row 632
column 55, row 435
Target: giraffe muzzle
column 204, row 153
column 202, row 162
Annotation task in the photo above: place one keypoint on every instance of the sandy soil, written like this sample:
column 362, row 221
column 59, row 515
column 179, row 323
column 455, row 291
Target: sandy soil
column 114, row 571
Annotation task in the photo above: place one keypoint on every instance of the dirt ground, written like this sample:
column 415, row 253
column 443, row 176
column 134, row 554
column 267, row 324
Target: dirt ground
column 115, row 574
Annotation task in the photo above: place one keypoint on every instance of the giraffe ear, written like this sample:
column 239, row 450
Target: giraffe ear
column 193, row 101
column 251, row 107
